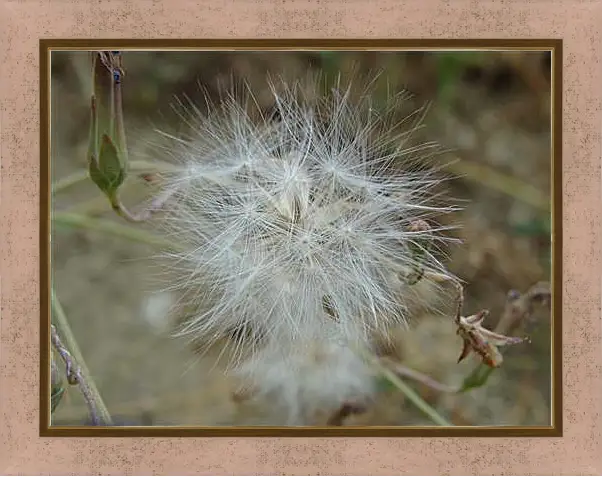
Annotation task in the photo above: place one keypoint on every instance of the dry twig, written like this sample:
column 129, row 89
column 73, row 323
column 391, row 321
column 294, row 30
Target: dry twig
column 74, row 376
column 76, row 370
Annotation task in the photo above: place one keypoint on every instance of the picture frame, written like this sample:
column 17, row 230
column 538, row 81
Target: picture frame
column 437, row 451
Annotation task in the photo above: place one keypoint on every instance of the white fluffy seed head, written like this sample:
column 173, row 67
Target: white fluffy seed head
column 310, row 381
column 298, row 227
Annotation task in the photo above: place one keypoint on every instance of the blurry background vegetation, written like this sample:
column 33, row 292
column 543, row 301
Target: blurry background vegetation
column 492, row 109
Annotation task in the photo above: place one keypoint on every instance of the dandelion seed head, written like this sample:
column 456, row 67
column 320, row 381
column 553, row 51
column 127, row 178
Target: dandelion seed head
column 300, row 228
column 312, row 380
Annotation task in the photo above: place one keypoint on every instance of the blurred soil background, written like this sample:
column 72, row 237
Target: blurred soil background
column 491, row 109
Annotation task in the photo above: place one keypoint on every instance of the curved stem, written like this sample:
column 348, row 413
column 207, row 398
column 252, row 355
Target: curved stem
column 87, row 385
column 155, row 206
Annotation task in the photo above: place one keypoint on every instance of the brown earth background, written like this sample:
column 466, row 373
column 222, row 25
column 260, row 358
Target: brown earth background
column 491, row 109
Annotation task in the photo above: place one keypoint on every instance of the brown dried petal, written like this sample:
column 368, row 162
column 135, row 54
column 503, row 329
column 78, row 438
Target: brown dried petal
column 482, row 341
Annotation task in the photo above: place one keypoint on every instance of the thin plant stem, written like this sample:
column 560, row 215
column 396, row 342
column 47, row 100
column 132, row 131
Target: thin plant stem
column 74, row 377
column 90, row 208
column 69, row 181
column 415, row 398
column 137, row 166
column 412, row 395
column 402, row 370
column 87, row 385
column 112, row 228
column 493, row 179
column 155, row 206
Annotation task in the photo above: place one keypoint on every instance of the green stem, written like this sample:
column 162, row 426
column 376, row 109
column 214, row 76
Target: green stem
column 112, row 228
column 69, row 181
column 62, row 325
column 139, row 166
column 493, row 179
column 414, row 397
column 477, row 378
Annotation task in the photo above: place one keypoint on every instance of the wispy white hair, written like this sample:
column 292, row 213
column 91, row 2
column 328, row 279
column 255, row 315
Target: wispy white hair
column 297, row 226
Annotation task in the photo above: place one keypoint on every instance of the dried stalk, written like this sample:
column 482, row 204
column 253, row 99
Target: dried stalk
column 75, row 366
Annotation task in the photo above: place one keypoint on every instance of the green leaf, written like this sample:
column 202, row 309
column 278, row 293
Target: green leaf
column 449, row 70
column 56, row 390
column 55, row 397
column 110, row 163
column 97, row 176
column 477, row 378
column 108, row 172
column 93, row 135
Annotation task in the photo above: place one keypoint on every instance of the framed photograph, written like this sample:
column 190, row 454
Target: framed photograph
column 320, row 236
column 305, row 238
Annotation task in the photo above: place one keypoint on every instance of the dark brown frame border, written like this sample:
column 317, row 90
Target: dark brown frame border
column 555, row 45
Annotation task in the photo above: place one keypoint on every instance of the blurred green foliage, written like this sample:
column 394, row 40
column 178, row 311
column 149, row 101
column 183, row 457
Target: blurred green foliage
column 450, row 67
